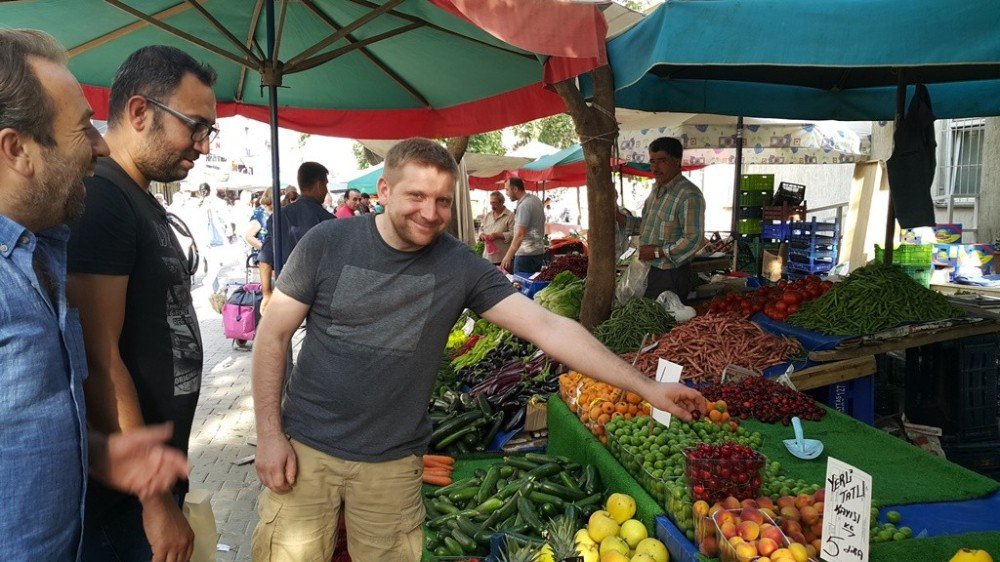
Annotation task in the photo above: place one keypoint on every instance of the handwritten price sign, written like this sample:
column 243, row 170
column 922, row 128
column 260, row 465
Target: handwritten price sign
column 846, row 513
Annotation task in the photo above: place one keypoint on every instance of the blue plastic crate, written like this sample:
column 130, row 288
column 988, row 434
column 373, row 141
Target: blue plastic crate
column 813, row 226
column 529, row 287
column 818, row 253
column 776, row 231
column 855, row 398
column 808, row 268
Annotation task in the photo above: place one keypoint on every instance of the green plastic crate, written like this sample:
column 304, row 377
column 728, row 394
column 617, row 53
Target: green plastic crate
column 912, row 255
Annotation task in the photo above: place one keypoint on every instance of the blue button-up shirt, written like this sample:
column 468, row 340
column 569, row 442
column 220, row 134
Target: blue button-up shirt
column 43, row 430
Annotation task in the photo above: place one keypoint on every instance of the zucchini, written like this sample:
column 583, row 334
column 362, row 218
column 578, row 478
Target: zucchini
column 506, row 471
column 444, row 508
column 456, row 486
column 505, row 511
column 490, row 505
column 589, row 500
column 527, row 513
column 463, row 495
column 519, row 462
column 455, row 423
column 494, row 429
column 568, row 481
column 563, row 492
column 539, row 458
column 432, row 512
column 448, row 440
column 467, row 527
column 484, row 405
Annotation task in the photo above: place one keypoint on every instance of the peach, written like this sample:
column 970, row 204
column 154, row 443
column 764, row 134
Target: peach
column 733, row 541
column 782, row 553
column 700, row 508
column 791, row 526
column 816, row 529
column 765, row 502
column 769, row 512
column 763, row 559
column 709, row 547
column 819, row 506
column 820, row 495
column 774, row 534
column 803, row 500
column 809, row 515
column 811, row 550
column 797, row 537
column 715, row 509
column 766, row 546
column 749, row 530
column 731, row 503
column 724, row 517
column 816, row 544
column 748, row 503
column 786, row 501
column 728, row 529
column 790, row 513
column 745, row 552
column 751, row 514
column 798, row 552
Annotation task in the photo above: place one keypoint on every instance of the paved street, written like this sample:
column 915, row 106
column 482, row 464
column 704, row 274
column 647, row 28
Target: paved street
column 223, row 425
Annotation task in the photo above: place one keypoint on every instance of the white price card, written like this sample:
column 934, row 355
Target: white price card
column 469, row 326
column 847, row 510
column 666, row 371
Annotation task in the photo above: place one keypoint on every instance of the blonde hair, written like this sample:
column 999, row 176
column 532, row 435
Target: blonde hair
column 420, row 151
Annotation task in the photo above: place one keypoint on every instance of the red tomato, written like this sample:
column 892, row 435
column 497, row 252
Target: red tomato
column 792, row 309
column 780, row 307
column 792, row 297
column 782, row 284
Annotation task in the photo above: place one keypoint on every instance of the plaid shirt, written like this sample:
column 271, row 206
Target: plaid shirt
column 673, row 218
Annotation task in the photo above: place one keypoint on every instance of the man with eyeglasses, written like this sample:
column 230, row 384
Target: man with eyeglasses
column 351, row 201
column 131, row 279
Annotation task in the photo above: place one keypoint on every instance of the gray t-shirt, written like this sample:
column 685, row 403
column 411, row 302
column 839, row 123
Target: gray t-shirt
column 530, row 213
column 360, row 388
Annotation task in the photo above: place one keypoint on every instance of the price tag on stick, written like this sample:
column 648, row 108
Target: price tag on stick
column 847, row 512
column 666, row 371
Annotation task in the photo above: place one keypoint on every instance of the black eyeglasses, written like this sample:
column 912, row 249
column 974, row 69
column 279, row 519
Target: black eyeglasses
column 192, row 254
column 200, row 131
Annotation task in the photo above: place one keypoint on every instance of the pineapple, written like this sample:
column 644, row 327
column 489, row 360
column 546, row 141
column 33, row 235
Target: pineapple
column 518, row 552
column 561, row 533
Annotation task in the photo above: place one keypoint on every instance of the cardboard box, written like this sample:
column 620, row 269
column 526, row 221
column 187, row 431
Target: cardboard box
column 536, row 416
column 773, row 262
column 977, row 255
column 948, row 233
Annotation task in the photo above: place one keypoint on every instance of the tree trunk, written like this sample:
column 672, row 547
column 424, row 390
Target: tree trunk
column 456, row 147
column 372, row 158
column 597, row 128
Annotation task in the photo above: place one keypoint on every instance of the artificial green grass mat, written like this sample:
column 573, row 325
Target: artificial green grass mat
column 568, row 437
column 935, row 549
column 901, row 473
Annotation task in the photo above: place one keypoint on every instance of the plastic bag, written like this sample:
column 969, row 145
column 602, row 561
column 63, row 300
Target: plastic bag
column 672, row 304
column 632, row 284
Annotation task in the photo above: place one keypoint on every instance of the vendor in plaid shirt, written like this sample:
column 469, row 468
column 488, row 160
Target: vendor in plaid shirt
column 671, row 229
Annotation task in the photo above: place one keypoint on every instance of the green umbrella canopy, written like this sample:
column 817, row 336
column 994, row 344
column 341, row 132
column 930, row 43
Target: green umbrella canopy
column 351, row 68
column 368, row 181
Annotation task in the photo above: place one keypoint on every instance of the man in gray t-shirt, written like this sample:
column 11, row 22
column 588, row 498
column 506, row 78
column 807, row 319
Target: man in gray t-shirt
column 527, row 249
column 353, row 422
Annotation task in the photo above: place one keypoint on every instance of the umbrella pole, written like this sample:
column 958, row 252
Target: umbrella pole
column 890, row 222
column 272, row 79
column 735, row 225
column 579, row 207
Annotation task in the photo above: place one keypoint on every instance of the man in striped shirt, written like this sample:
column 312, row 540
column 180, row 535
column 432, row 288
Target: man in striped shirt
column 671, row 229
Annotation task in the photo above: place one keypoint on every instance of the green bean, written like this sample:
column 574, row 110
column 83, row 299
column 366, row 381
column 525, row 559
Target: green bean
column 624, row 330
column 873, row 298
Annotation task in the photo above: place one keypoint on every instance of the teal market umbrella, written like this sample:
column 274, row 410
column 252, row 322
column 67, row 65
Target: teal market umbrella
column 351, row 68
column 367, row 182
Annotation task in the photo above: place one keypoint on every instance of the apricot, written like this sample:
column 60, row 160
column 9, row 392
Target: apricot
column 752, row 514
column 749, row 530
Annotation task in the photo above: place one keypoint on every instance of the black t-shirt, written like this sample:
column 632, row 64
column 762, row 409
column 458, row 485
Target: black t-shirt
column 125, row 231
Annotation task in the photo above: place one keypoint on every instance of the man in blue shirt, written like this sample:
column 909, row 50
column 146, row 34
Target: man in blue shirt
column 296, row 219
column 47, row 146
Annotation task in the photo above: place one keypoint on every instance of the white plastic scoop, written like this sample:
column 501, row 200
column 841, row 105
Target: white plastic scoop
column 805, row 449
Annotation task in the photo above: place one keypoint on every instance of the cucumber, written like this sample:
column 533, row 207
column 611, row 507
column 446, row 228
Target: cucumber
column 453, row 546
column 494, row 429
column 545, row 459
column 441, row 552
column 465, row 541
column 527, row 513
column 432, row 512
column 484, row 405
column 519, row 462
column 543, row 498
column 568, row 481
column 589, row 500
column 490, row 505
column 549, row 510
column 545, row 470
column 506, row 471
column 467, row 527
column 489, row 483
column 444, row 508
column 463, row 495
column 456, row 486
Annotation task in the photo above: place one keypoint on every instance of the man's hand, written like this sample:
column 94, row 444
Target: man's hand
column 678, row 399
column 648, row 252
column 137, row 461
column 276, row 463
column 506, row 263
column 168, row 532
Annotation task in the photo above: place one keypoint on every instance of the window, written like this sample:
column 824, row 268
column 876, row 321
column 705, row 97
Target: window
column 962, row 168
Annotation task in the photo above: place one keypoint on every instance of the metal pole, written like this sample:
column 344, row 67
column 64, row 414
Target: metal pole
column 272, row 102
column 736, row 177
column 890, row 223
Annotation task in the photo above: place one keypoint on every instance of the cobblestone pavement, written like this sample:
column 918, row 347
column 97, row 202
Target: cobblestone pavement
column 223, row 433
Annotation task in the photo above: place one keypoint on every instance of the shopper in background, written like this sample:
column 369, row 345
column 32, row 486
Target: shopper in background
column 327, row 438
column 351, row 201
column 527, row 248
column 296, row 219
column 672, row 226
column 365, row 206
column 131, row 279
column 497, row 229
column 256, row 231
column 47, row 146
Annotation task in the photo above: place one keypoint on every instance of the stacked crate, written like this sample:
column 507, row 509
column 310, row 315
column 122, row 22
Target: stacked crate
column 755, row 193
column 812, row 248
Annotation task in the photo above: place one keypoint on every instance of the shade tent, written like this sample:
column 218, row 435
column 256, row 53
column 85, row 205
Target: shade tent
column 367, row 182
column 804, row 59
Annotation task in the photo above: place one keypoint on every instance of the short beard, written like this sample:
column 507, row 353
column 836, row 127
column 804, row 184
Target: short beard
column 156, row 165
column 55, row 197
